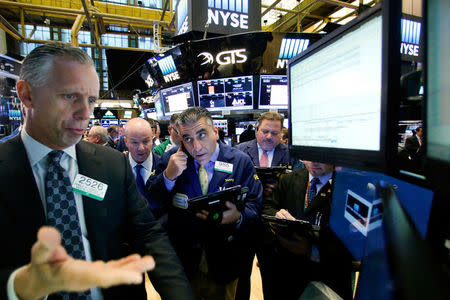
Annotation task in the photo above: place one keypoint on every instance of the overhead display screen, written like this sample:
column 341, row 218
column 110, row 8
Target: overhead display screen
column 273, row 92
column 232, row 93
column 178, row 98
column 336, row 92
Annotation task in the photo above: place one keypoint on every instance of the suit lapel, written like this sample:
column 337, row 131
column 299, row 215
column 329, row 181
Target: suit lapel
column 25, row 198
column 218, row 176
column 253, row 152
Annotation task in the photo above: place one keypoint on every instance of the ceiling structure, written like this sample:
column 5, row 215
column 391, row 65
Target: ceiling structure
column 100, row 17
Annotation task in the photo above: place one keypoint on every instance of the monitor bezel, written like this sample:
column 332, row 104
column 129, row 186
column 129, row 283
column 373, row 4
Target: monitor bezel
column 163, row 98
column 271, row 106
column 382, row 160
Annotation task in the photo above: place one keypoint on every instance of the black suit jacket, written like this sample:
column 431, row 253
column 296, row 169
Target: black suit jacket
column 117, row 226
column 280, row 156
column 335, row 261
column 412, row 145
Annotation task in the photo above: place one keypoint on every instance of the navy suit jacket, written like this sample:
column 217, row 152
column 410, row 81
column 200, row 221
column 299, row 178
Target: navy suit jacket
column 189, row 234
column 117, row 226
column 280, row 156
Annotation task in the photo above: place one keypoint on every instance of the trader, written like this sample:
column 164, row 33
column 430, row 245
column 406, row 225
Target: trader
column 173, row 140
column 211, row 253
column 267, row 150
column 139, row 140
column 87, row 192
column 304, row 194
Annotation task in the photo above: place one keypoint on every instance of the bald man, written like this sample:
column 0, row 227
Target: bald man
column 98, row 135
column 139, row 141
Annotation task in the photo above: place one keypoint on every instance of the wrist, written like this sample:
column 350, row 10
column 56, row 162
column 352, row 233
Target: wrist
column 25, row 287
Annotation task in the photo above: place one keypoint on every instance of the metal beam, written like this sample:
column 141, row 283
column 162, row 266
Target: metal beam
column 294, row 12
column 75, row 29
column 270, row 7
column 6, row 26
column 341, row 3
column 164, row 9
column 305, row 6
column 91, row 26
column 174, row 15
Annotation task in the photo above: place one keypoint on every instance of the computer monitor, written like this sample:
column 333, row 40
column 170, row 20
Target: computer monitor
column 233, row 93
column 127, row 114
column 357, row 210
column 221, row 123
column 159, row 106
column 339, row 90
column 178, row 98
column 273, row 92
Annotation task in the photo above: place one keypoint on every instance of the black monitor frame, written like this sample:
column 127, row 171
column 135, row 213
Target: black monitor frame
column 382, row 160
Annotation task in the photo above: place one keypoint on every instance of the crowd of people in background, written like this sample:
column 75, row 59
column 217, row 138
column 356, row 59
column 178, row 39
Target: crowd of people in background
column 142, row 222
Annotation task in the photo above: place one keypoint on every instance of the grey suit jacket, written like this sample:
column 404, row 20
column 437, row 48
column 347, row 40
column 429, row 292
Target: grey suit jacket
column 117, row 226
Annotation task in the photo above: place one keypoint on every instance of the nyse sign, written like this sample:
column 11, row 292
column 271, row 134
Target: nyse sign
column 225, row 57
column 226, row 18
column 171, row 77
column 409, row 49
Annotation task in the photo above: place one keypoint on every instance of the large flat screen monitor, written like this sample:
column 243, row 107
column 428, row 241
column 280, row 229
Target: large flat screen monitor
column 339, row 90
column 273, row 92
column 178, row 98
column 234, row 93
column 357, row 210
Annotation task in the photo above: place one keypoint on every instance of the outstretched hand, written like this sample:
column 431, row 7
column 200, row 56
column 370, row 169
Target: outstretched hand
column 52, row 270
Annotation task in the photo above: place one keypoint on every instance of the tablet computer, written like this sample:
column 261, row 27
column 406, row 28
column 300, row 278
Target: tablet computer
column 215, row 202
column 286, row 228
column 270, row 175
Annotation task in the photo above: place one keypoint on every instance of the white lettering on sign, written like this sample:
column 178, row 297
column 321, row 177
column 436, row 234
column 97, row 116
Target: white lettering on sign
column 171, row 77
column 282, row 63
column 226, row 18
column 225, row 57
column 409, row 49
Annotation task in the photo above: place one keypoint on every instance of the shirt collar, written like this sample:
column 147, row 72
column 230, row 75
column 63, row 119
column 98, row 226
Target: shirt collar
column 213, row 157
column 37, row 151
column 146, row 164
column 260, row 150
column 323, row 179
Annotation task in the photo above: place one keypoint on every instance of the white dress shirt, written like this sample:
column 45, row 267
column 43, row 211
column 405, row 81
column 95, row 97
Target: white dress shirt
column 146, row 171
column 37, row 156
column 269, row 155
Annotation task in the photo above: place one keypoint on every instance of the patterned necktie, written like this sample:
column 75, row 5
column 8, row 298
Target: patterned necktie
column 264, row 161
column 140, row 180
column 312, row 190
column 203, row 178
column 62, row 214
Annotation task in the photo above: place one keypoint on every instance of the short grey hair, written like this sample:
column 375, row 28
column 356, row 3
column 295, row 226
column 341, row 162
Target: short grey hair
column 101, row 132
column 37, row 65
column 193, row 114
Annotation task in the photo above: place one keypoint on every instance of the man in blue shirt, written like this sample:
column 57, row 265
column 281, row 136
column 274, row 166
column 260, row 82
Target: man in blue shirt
column 210, row 252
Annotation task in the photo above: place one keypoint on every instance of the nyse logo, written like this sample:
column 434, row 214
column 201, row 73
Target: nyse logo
column 225, row 57
column 409, row 49
column 232, row 13
column 149, row 81
column 171, row 77
column 225, row 18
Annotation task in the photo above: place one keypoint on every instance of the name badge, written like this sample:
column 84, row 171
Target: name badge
column 89, row 187
column 180, row 201
column 223, row 167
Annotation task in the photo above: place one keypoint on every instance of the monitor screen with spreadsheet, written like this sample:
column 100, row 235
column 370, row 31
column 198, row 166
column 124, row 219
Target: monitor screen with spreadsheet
column 338, row 90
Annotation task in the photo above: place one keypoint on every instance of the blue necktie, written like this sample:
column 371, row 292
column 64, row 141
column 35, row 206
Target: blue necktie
column 140, row 180
column 312, row 191
column 62, row 214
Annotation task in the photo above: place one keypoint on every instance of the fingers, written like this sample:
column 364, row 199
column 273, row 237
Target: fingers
column 284, row 214
column 48, row 247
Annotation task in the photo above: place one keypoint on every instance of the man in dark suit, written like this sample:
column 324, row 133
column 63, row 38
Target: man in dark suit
column 139, row 140
column 247, row 135
column 113, row 132
column 211, row 251
column 267, row 150
column 85, row 191
column 414, row 142
column 291, row 262
column 98, row 135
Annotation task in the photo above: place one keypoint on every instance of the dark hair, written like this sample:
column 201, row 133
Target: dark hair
column 112, row 128
column 36, row 66
column 271, row 116
column 193, row 114
column 174, row 118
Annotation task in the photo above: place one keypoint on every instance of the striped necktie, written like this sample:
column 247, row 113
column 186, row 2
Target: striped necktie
column 203, row 178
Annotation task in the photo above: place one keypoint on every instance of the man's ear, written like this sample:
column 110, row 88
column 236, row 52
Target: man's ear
column 24, row 92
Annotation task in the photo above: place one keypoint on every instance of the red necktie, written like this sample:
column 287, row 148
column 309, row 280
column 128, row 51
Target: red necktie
column 264, row 160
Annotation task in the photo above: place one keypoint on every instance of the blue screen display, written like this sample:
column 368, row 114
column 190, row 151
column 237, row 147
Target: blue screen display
column 356, row 208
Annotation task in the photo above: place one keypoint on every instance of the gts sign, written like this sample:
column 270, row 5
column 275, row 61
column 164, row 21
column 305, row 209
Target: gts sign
column 226, row 18
column 225, row 57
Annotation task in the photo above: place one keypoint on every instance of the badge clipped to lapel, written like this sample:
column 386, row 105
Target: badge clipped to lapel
column 223, row 167
column 89, row 187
